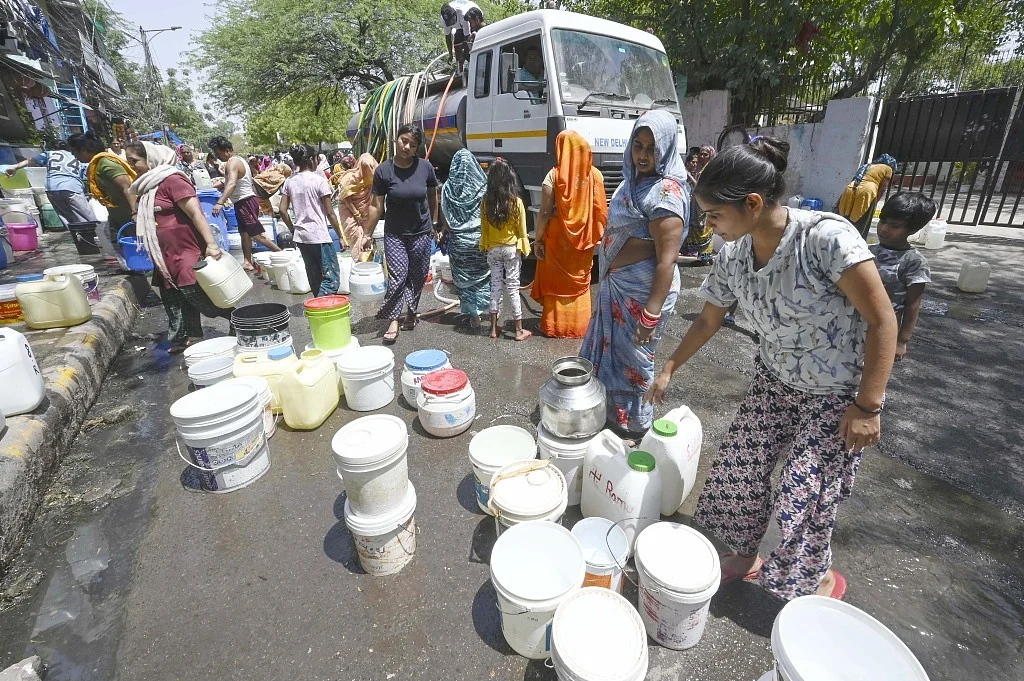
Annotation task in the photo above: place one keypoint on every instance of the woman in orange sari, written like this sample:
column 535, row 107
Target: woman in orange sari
column 353, row 196
column 573, row 212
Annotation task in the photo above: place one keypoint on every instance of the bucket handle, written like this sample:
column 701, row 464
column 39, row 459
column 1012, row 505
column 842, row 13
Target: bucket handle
column 533, row 466
column 214, row 469
column 497, row 607
column 121, row 231
column 622, row 567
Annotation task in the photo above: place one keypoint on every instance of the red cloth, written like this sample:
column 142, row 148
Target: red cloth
column 247, row 212
column 178, row 239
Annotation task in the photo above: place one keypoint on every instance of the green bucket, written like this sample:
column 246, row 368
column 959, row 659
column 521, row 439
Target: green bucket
column 330, row 321
column 51, row 221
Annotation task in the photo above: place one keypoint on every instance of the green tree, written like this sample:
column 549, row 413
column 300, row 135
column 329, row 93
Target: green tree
column 747, row 47
column 299, row 117
column 264, row 51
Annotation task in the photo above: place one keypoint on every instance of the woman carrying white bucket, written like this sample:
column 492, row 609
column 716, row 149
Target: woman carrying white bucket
column 828, row 337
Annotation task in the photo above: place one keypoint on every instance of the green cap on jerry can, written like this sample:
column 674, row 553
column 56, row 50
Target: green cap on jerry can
column 640, row 461
column 665, row 428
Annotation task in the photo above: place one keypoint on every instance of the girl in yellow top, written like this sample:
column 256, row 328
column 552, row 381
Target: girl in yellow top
column 503, row 236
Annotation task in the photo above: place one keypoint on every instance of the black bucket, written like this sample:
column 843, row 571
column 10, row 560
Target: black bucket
column 84, row 235
column 261, row 326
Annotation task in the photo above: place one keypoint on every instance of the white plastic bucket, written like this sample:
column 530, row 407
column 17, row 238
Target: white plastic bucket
column 597, row 635
column 568, row 456
column 262, row 388
column 368, row 377
column 492, row 448
column 417, row 365
column 385, row 543
column 370, row 454
column 525, row 491
column 222, row 346
column 605, row 549
column 222, row 429
column 85, row 273
column 679, row 572
column 534, row 567
column 210, row 371
column 816, row 638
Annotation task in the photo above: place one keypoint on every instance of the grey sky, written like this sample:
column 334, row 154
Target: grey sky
column 170, row 49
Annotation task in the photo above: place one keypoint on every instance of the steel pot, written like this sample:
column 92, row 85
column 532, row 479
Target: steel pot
column 572, row 402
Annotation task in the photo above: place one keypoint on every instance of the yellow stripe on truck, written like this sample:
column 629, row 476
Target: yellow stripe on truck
column 507, row 135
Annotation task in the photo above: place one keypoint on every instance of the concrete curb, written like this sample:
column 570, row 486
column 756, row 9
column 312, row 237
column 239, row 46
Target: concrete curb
column 34, row 444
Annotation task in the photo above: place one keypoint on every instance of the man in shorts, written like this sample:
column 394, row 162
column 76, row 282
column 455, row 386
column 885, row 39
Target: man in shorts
column 238, row 187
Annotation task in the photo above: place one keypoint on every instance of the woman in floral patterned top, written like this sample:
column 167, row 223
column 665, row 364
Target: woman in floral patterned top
column 639, row 280
column 807, row 283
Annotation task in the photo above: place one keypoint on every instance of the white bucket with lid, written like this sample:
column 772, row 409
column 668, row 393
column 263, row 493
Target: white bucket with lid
column 367, row 377
column 525, row 491
column 606, row 550
column 492, row 448
column 207, row 372
column 85, row 273
column 447, row 404
column 367, row 283
column 535, row 566
column 597, row 635
column 370, row 455
column 222, row 346
column 262, row 388
column 568, row 456
column 816, row 638
column 222, row 429
column 385, row 543
column 679, row 572
column 417, row 365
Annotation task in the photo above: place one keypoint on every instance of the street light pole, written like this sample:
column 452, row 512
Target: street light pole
column 149, row 69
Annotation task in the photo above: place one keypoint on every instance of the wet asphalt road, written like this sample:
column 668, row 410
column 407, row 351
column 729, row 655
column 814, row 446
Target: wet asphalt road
column 132, row 575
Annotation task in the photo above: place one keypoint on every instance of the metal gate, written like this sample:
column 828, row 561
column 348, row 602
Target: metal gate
column 961, row 150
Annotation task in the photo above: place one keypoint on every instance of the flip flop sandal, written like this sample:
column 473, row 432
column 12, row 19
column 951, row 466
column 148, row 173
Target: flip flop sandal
column 390, row 337
column 408, row 325
column 730, row 577
column 839, row 588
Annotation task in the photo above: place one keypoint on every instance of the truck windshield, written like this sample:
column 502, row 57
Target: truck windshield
column 590, row 63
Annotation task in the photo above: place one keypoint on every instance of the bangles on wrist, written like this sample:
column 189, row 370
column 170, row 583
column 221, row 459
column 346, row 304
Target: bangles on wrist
column 648, row 320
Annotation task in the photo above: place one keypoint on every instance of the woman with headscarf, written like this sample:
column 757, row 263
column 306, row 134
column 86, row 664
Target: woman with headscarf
column 573, row 213
column 699, row 242
column 323, row 166
column 857, row 204
column 639, row 281
column 354, row 204
column 460, row 212
column 174, row 231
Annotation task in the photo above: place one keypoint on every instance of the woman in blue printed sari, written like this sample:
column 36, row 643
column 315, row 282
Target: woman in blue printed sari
column 460, row 207
column 639, row 281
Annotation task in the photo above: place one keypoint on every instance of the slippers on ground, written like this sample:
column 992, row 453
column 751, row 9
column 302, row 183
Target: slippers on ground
column 408, row 324
column 729, row 577
column 390, row 337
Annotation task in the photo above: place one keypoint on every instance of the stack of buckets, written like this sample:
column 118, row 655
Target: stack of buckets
column 380, row 507
column 330, row 321
column 223, row 429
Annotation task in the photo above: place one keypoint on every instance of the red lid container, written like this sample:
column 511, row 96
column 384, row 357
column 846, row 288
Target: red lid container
column 444, row 381
column 326, row 303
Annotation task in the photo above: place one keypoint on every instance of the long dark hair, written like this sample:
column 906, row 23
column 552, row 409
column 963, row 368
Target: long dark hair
column 754, row 168
column 500, row 201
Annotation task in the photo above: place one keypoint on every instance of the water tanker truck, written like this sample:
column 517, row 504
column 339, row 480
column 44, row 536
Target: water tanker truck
column 597, row 78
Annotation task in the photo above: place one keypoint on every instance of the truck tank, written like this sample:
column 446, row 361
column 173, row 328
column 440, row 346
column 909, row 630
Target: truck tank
column 451, row 124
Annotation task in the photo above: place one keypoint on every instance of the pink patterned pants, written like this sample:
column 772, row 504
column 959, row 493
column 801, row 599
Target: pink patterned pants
column 817, row 473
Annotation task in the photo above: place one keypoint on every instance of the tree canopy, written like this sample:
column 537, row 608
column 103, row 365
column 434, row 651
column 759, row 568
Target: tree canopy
column 742, row 45
column 297, row 118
